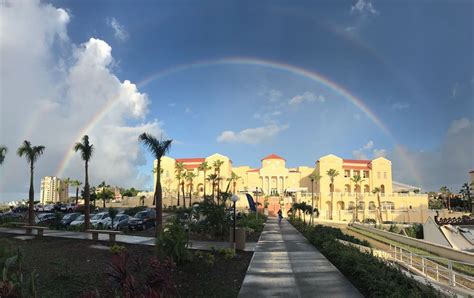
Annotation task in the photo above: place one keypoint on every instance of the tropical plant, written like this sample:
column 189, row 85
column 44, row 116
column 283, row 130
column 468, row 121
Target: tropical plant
column 357, row 181
column 332, row 173
column 466, row 192
column 214, row 178
column 31, row 153
column 103, row 196
column 446, row 195
column 76, row 184
column 173, row 243
column 112, row 214
column 86, row 150
column 377, row 191
column 217, row 170
column 179, row 170
column 158, row 149
column 204, row 167
column 234, row 178
column 190, row 177
column 313, row 177
column 3, row 153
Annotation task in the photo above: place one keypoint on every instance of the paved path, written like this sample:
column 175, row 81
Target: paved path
column 285, row 264
column 130, row 239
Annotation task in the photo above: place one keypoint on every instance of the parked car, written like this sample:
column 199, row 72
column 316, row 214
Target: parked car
column 39, row 208
column 21, row 208
column 78, row 221
column 70, row 207
column 48, row 208
column 120, row 222
column 45, row 218
column 12, row 215
column 142, row 220
column 99, row 220
column 69, row 218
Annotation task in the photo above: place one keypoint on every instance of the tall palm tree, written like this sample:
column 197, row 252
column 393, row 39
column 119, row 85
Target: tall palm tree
column 86, row 149
column 332, row 173
column 217, row 170
column 213, row 178
column 32, row 153
column 59, row 190
column 3, row 153
column 179, row 169
column 65, row 184
column 377, row 191
column 313, row 177
column 158, row 148
column 234, row 178
column 446, row 194
column 204, row 167
column 466, row 191
column 190, row 177
column 104, row 187
column 76, row 184
column 357, row 181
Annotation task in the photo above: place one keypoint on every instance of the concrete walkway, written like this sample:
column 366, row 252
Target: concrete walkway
column 285, row 264
column 130, row 239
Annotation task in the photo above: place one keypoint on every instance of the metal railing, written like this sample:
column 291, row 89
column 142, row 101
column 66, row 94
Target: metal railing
column 433, row 268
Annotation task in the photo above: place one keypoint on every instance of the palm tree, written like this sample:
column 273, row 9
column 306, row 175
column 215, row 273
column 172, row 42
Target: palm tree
column 376, row 191
column 104, row 187
column 213, row 178
column 59, row 190
column 357, row 180
column 234, row 178
column 32, row 153
column 179, row 169
column 217, row 170
column 204, row 166
column 66, row 182
column 3, row 153
column 446, row 194
column 190, row 177
column 313, row 177
column 158, row 149
column 466, row 191
column 86, row 150
column 76, row 184
column 332, row 173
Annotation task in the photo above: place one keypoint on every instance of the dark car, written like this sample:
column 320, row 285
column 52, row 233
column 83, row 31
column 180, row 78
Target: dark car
column 142, row 220
column 68, row 218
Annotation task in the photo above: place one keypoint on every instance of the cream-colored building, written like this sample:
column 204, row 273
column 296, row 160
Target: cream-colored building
column 281, row 186
column 53, row 190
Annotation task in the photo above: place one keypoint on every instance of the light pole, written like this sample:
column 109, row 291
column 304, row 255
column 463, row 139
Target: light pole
column 234, row 199
column 312, row 200
column 256, row 201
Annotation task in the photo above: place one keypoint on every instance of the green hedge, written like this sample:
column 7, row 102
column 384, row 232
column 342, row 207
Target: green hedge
column 372, row 276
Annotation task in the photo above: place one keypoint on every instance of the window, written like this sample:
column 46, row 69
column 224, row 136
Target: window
column 351, row 206
column 361, row 205
column 347, row 173
column 356, row 173
column 387, row 205
column 347, row 188
column 366, row 174
column 384, row 175
column 366, row 188
column 372, row 205
column 357, row 188
column 378, row 175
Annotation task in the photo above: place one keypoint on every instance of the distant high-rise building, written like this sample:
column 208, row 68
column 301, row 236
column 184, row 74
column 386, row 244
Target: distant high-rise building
column 53, row 190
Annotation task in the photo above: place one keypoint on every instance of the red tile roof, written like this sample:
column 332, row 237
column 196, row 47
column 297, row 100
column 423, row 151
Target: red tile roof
column 355, row 167
column 364, row 161
column 253, row 170
column 190, row 160
column 273, row 156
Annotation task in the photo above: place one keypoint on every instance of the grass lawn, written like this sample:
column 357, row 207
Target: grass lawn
column 69, row 267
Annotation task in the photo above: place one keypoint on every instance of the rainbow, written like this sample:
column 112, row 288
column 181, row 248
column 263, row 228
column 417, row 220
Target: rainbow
column 291, row 69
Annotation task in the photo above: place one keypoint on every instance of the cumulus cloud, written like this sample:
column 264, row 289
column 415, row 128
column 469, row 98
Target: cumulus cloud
column 251, row 135
column 306, row 97
column 364, row 7
column 119, row 30
column 448, row 164
column 54, row 90
column 367, row 151
column 273, row 95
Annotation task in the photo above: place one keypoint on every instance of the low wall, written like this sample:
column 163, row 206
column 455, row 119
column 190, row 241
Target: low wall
column 439, row 250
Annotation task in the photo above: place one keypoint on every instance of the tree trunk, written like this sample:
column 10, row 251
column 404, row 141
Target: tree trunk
column 103, row 196
column 158, row 200
column 357, row 208
column 87, row 214
column 190, row 194
column 204, row 183
column 179, row 183
column 380, row 208
column 184, row 195
column 31, row 197
column 77, row 195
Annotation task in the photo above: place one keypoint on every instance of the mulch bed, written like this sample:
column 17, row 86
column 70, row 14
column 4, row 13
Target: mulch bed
column 69, row 267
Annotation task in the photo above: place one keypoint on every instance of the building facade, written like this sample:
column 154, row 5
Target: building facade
column 53, row 190
column 280, row 186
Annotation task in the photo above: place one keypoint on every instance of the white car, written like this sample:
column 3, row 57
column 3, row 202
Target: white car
column 48, row 208
column 78, row 221
column 100, row 220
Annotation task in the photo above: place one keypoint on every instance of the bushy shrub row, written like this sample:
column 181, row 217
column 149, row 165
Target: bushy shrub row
column 250, row 221
column 371, row 275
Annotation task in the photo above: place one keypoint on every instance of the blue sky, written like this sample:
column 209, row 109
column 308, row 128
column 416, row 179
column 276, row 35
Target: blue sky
column 410, row 62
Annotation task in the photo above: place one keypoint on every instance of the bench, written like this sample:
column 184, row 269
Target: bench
column 95, row 234
column 39, row 229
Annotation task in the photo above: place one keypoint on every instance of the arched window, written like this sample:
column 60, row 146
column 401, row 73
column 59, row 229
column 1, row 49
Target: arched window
column 351, row 206
column 366, row 188
column 361, row 205
column 357, row 188
column 347, row 188
column 382, row 188
column 340, row 205
column 372, row 205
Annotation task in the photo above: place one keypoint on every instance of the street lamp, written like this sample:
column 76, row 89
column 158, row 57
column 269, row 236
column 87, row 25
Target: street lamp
column 234, row 199
column 256, row 201
column 312, row 200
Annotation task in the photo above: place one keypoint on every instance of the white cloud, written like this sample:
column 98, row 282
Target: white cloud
column 119, row 30
column 364, row 7
column 447, row 165
column 369, row 145
column 251, row 135
column 379, row 153
column 52, row 89
column 306, row 97
column 400, row 105
column 365, row 151
column 273, row 95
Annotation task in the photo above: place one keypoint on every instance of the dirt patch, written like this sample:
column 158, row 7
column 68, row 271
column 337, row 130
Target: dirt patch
column 69, row 267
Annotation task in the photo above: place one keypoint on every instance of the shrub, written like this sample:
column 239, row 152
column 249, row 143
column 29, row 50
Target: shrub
column 228, row 253
column 117, row 249
column 250, row 221
column 210, row 259
column 415, row 231
column 216, row 221
column 173, row 243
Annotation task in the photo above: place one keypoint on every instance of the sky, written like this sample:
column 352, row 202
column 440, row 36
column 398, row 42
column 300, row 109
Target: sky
column 302, row 79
